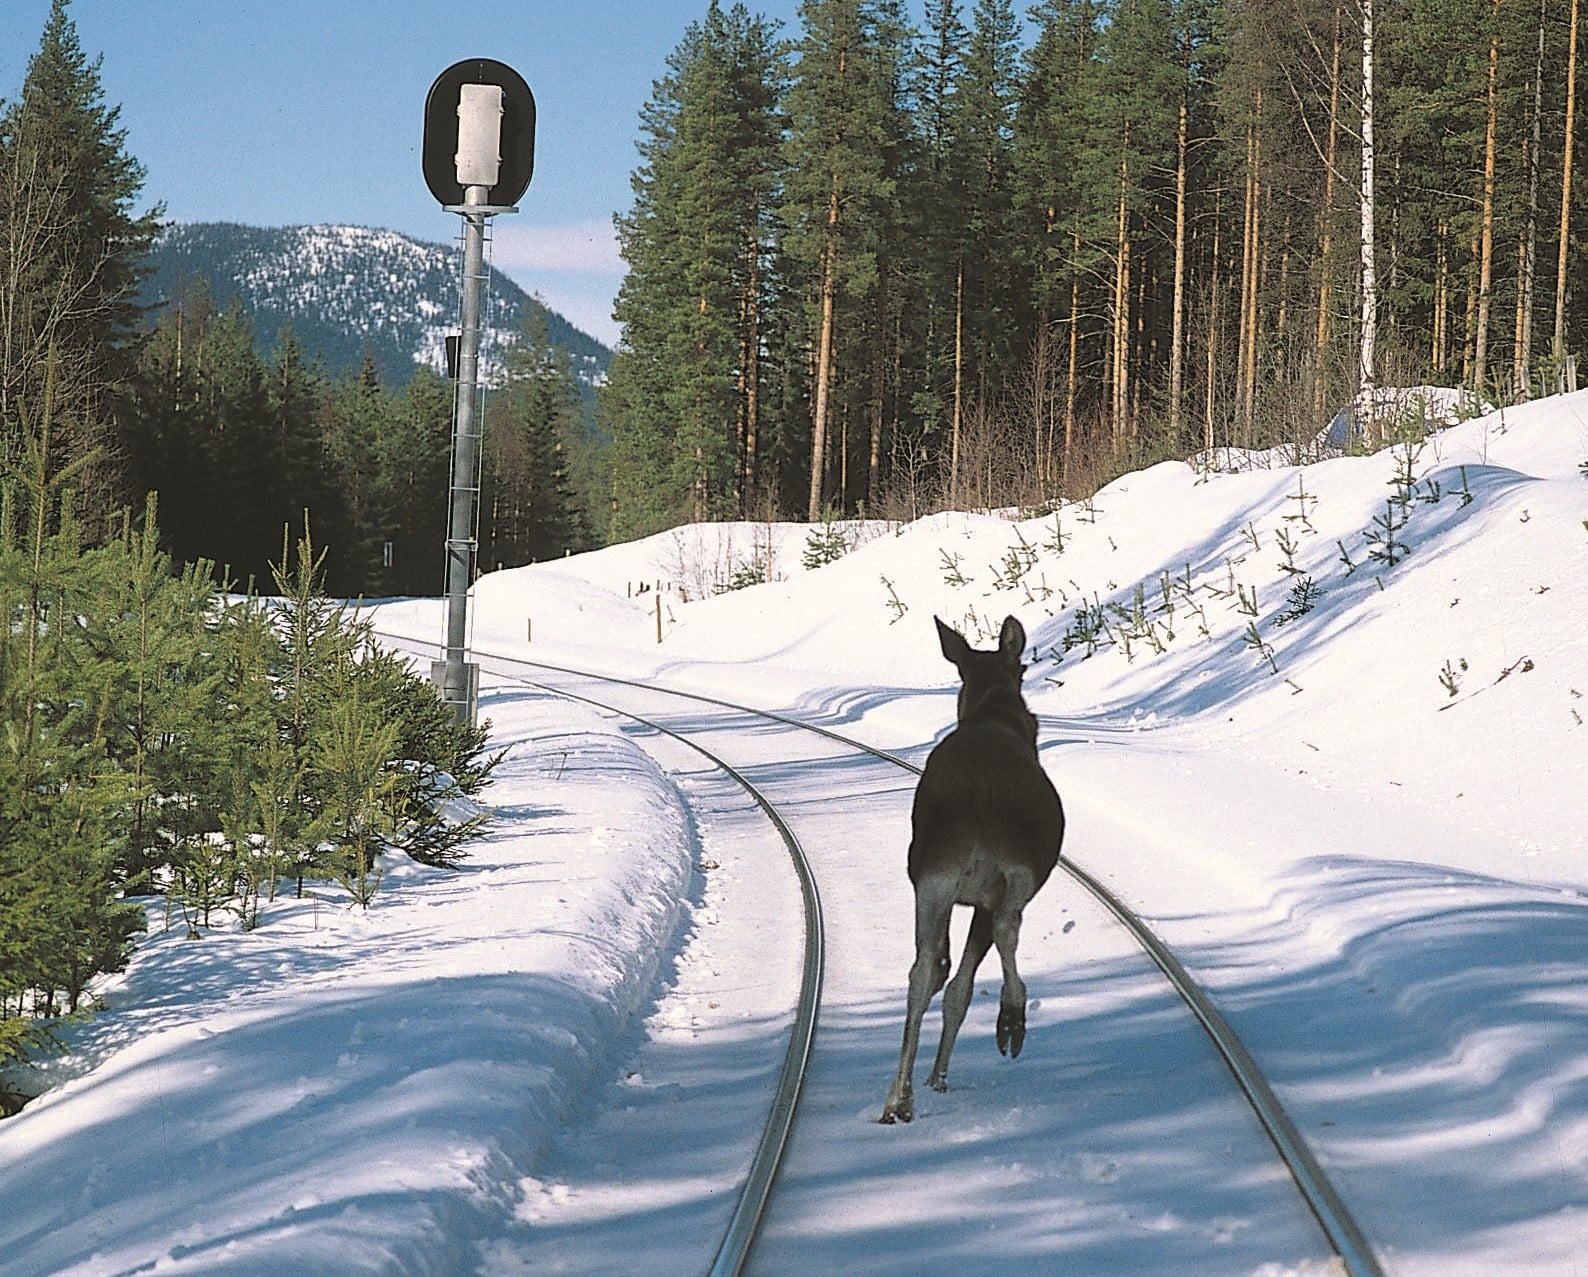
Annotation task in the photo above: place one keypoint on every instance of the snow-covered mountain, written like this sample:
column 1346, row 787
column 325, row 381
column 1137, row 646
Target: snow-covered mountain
column 348, row 289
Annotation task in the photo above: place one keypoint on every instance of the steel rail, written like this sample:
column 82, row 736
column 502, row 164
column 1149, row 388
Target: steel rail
column 1339, row 1226
column 734, row 1249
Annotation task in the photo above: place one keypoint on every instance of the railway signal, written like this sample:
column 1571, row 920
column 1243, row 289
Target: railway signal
column 478, row 157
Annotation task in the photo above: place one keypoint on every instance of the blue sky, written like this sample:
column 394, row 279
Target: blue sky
column 295, row 111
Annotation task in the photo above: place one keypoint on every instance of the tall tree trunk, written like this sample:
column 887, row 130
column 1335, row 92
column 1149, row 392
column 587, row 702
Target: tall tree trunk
column 959, row 376
column 1480, row 361
column 1250, row 273
column 1469, row 328
column 1366, row 381
column 1120, row 360
column 1527, row 254
column 1072, row 376
column 879, row 370
column 751, row 394
column 1214, row 290
column 1326, row 243
column 1558, row 344
column 1441, row 350
column 1177, row 323
column 824, row 354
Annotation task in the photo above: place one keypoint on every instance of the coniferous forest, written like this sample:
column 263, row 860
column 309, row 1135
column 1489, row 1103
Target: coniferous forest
column 991, row 261
column 161, row 734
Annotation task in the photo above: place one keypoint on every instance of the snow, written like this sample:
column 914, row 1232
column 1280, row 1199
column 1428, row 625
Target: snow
column 1361, row 828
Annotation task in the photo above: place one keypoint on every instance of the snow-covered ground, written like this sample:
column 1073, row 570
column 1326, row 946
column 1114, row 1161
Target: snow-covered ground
column 1355, row 805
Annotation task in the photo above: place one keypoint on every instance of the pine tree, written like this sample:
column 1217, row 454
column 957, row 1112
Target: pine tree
column 686, row 401
column 152, row 635
column 529, row 509
column 1141, row 119
column 985, row 104
column 70, row 250
column 844, row 152
column 297, row 390
column 62, row 918
column 416, row 462
column 936, row 192
column 1059, row 205
column 360, row 417
column 1568, row 152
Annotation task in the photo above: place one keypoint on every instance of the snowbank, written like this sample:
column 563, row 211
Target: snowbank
column 340, row 1091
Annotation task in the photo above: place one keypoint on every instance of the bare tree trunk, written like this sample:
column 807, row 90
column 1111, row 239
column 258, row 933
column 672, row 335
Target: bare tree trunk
column 1480, row 361
column 1527, row 256
column 1558, row 345
column 1369, row 255
column 1214, row 291
column 1469, row 328
column 959, row 375
column 751, row 361
column 1246, row 361
column 842, row 503
column 1177, row 325
column 1072, row 376
column 1120, row 362
column 1441, row 350
column 879, row 368
column 824, row 355
column 1326, row 244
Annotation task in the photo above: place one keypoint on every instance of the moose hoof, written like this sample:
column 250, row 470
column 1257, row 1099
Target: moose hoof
column 898, row 1109
column 938, row 1082
column 1011, row 1030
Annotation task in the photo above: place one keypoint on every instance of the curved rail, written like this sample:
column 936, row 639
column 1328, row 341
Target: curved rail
column 1344, row 1235
column 734, row 1249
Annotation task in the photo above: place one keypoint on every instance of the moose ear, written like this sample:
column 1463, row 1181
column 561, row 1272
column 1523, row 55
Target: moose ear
column 955, row 648
column 1012, row 640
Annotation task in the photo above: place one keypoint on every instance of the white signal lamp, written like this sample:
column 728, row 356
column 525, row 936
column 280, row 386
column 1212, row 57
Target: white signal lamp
column 479, row 156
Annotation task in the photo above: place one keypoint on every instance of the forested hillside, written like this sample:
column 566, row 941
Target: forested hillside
column 348, row 292
column 251, row 380
column 894, row 256
column 979, row 260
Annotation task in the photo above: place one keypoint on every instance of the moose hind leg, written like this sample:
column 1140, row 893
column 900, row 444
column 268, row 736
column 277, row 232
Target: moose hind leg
column 1012, row 1002
column 956, row 998
column 927, row 974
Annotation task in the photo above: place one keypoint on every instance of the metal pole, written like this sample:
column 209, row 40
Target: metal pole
column 456, row 674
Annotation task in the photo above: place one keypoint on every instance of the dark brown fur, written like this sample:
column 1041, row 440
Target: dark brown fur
column 986, row 830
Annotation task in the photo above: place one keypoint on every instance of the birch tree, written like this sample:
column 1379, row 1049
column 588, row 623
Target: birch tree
column 1558, row 344
column 1367, row 379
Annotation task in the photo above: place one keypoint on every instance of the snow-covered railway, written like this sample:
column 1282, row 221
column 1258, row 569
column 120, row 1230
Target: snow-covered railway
column 761, row 741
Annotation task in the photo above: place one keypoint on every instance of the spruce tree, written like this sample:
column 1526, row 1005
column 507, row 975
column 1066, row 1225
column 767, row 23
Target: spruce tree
column 1059, row 208
column 529, row 509
column 940, row 179
column 415, row 459
column 686, row 403
column 360, row 421
column 71, row 244
column 297, row 389
column 846, row 144
column 62, row 918
column 987, row 286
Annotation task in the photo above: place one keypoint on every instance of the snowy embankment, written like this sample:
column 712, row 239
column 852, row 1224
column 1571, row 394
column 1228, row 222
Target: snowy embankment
column 342, row 1091
column 1325, row 725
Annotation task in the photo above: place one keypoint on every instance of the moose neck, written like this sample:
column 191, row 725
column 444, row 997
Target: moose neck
column 997, row 705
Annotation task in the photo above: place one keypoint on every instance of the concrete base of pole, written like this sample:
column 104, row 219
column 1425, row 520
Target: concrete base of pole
column 462, row 694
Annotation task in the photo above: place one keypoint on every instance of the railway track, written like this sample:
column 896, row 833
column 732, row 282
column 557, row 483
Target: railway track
column 1344, row 1237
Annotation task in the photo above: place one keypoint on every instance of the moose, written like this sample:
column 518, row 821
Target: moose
column 986, row 828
